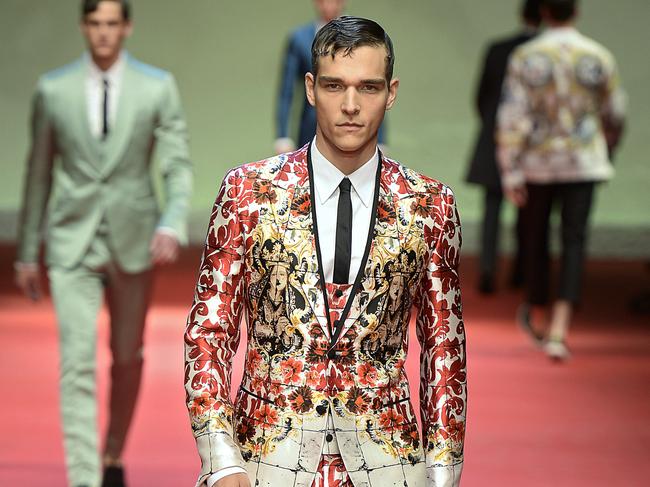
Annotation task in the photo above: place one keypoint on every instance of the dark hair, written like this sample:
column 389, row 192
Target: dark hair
column 89, row 6
column 560, row 10
column 348, row 33
column 530, row 11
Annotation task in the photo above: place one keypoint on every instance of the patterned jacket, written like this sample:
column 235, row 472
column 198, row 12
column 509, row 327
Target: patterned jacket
column 561, row 112
column 261, row 266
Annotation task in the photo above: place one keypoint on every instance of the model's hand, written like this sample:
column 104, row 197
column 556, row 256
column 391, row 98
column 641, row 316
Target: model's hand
column 234, row 480
column 27, row 278
column 518, row 195
column 284, row 145
column 163, row 248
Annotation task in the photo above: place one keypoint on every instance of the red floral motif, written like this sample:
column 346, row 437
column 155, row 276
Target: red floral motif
column 301, row 400
column 391, row 420
column 264, row 192
column 422, row 205
column 367, row 374
column 254, row 359
column 267, row 416
column 301, row 205
column 358, row 401
column 316, row 377
column 201, row 404
column 291, row 369
column 410, row 435
column 386, row 213
column 245, row 431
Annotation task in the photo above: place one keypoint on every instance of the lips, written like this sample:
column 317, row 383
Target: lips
column 350, row 125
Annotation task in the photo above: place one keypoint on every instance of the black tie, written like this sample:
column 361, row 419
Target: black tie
column 343, row 250
column 105, row 114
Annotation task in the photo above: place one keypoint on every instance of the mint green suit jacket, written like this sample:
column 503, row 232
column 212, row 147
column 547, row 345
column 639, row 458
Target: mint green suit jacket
column 75, row 181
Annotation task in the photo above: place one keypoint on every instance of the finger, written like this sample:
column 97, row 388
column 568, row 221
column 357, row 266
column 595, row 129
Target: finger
column 34, row 290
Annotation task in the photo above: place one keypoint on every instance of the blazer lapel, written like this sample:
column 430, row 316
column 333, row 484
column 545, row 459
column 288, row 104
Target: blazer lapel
column 79, row 121
column 300, row 232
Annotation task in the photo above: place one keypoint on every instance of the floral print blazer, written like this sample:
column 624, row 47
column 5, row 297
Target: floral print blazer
column 261, row 266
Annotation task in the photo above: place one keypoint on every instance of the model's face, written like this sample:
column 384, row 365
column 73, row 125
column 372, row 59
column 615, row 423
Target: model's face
column 351, row 95
column 105, row 30
column 329, row 9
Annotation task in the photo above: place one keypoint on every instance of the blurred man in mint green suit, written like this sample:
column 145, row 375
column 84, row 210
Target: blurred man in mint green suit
column 95, row 125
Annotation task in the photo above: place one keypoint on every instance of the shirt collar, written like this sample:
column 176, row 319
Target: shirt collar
column 113, row 74
column 564, row 31
column 327, row 177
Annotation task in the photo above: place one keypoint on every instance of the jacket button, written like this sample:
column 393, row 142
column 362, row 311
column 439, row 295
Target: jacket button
column 329, row 437
column 332, row 354
column 338, row 293
column 321, row 409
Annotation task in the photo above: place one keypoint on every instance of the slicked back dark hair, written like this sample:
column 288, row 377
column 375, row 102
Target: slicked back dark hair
column 530, row 11
column 560, row 10
column 348, row 33
column 89, row 6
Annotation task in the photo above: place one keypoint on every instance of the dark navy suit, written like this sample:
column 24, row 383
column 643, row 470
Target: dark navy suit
column 297, row 62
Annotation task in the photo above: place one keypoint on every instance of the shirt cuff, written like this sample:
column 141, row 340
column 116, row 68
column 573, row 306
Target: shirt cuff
column 513, row 179
column 168, row 231
column 26, row 266
column 224, row 472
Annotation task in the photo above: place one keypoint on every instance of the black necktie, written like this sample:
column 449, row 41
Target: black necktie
column 105, row 113
column 343, row 249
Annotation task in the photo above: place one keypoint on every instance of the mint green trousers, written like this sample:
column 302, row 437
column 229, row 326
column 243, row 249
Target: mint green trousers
column 78, row 294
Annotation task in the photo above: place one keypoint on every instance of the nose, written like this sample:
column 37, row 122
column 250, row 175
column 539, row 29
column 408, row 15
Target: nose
column 350, row 105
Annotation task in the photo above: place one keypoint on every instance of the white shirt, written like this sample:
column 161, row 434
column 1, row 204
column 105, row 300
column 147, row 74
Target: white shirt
column 326, row 186
column 327, row 178
column 95, row 93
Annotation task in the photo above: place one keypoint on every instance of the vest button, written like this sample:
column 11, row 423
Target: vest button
column 329, row 437
column 321, row 409
column 338, row 293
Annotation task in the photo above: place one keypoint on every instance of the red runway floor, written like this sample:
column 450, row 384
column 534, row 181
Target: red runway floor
column 531, row 422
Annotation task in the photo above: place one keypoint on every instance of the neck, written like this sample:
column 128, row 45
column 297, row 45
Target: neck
column 556, row 24
column 345, row 161
column 105, row 63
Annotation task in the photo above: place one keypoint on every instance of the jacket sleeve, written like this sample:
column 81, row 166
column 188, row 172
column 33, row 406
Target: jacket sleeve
column 613, row 107
column 484, row 87
column 38, row 179
column 212, row 335
column 290, row 73
column 514, row 125
column 441, row 333
column 174, row 161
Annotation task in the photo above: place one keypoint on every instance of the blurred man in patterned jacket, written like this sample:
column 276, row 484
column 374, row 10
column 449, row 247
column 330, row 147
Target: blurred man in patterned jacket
column 559, row 122
column 325, row 250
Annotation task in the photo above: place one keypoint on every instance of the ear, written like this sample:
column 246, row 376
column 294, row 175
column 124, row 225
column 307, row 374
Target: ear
column 128, row 29
column 310, row 83
column 392, row 93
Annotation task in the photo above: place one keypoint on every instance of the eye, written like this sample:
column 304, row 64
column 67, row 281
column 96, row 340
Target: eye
column 333, row 86
column 370, row 88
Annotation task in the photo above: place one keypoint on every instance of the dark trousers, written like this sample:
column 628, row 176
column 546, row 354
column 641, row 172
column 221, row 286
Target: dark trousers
column 575, row 200
column 490, row 235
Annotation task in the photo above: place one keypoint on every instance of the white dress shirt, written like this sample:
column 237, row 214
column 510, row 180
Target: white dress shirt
column 326, row 186
column 95, row 93
column 327, row 178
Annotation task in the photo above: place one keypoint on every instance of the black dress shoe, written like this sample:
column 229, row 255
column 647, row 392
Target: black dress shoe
column 525, row 323
column 486, row 284
column 113, row 477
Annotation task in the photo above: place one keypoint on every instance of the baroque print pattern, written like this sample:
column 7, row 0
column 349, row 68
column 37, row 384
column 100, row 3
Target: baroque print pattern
column 260, row 263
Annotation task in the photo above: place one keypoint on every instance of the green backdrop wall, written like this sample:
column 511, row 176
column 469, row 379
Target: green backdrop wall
column 225, row 56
